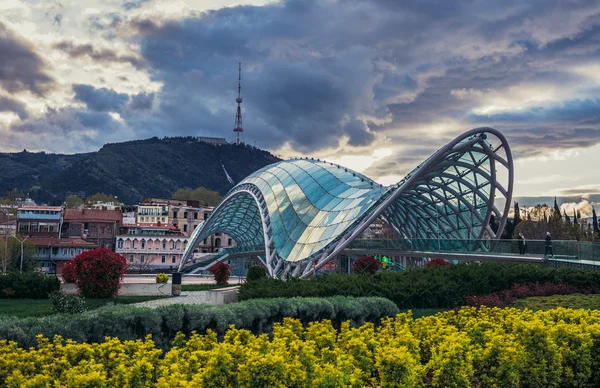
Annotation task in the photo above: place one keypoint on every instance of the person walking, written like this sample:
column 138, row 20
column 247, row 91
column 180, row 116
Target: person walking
column 522, row 244
column 548, row 249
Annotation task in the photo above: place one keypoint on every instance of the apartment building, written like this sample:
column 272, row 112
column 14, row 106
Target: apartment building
column 53, row 252
column 40, row 221
column 99, row 226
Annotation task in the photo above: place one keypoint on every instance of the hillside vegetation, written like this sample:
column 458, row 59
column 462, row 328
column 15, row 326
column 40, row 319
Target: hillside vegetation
column 131, row 170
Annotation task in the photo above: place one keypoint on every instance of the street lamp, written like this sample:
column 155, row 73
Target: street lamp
column 21, row 241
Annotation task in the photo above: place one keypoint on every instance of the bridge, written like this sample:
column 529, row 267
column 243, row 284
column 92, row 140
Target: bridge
column 564, row 252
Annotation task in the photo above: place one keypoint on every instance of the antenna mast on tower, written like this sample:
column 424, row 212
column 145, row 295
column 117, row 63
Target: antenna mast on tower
column 238, row 117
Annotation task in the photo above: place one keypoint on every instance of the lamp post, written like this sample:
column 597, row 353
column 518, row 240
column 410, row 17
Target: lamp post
column 21, row 241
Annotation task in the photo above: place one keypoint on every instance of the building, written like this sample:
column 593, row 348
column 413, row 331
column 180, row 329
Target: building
column 99, row 226
column 8, row 224
column 150, row 214
column 151, row 246
column 186, row 215
column 301, row 214
column 40, row 221
column 213, row 140
column 53, row 252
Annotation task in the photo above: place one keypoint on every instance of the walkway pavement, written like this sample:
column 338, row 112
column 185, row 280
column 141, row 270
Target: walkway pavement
column 186, row 297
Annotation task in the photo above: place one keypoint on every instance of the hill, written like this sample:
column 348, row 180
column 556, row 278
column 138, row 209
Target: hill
column 131, row 170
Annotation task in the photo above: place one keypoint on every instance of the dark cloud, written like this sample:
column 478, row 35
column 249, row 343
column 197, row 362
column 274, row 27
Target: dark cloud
column 141, row 101
column 359, row 134
column 21, row 68
column 100, row 100
column 8, row 104
column 98, row 55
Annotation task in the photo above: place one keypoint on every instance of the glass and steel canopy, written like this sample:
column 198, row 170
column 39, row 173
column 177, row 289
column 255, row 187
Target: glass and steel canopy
column 305, row 211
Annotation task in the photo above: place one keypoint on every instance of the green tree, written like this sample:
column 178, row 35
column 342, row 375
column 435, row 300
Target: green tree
column 14, row 194
column 101, row 197
column 73, row 201
column 595, row 222
column 205, row 196
column 556, row 213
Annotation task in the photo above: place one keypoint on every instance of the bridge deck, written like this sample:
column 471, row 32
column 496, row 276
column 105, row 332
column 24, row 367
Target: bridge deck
column 460, row 256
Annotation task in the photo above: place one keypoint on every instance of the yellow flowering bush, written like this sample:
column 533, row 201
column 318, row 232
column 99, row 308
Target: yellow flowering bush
column 485, row 347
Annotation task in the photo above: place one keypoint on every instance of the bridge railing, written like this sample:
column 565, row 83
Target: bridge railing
column 567, row 249
column 207, row 259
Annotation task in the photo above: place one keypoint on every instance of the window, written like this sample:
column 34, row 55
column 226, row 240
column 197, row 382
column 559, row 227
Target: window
column 102, row 229
column 195, row 215
column 195, row 227
column 163, row 259
column 184, row 214
column 134, row 244
column 229, row 242
column 173, row 259
column 172, row 245
column 143, row 244
column 120, row 244
column 131, row 258
column 185, row 228
column 65, row 251
column 141, row 258
column 205, row 216
column 164, row 245
column 174, row 214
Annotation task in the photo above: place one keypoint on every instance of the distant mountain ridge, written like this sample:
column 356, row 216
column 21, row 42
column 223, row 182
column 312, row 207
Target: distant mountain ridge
column 131, row 170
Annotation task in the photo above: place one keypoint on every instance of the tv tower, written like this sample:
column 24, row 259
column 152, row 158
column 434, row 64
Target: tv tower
column 238, row 116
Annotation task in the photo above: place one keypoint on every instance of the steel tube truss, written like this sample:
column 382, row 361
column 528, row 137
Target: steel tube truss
column 306, row 211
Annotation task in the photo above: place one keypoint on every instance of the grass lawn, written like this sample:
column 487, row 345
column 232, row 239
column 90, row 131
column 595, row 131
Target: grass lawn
column 573, row 301
column 40, row 307
column 204, row 287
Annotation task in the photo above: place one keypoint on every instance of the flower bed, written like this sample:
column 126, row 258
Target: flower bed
column 470, row 348
column 518, row 291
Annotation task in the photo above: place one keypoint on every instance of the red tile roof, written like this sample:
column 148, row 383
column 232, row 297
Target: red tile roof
column 61, row 242
column 92, row 215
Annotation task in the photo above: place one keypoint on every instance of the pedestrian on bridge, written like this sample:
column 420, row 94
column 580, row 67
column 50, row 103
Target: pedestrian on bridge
column 548, row 249
column 522, row 244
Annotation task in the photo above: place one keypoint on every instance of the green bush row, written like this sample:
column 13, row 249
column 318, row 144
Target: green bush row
column 15, row 285
column 442, row 287
column 127, row 322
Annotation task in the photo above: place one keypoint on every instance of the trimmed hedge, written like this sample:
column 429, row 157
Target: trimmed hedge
column 440, row 287
column 258, row 316
column 15, row 285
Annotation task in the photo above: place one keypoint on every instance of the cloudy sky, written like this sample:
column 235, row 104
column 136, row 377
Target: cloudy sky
column 377, row 85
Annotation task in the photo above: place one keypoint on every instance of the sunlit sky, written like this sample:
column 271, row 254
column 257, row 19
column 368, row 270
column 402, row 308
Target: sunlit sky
column 375, row 85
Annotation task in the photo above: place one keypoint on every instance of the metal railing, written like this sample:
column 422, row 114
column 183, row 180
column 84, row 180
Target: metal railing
column 560, row 249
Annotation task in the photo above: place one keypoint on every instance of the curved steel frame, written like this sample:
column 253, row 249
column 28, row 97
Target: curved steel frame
column 452, row 193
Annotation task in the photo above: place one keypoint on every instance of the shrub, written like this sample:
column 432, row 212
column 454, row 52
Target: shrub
column 256, row 272
column 98, row 273
column 71, row 304
column 421, row 288
column 367, row 265
column 221, row 272
column 162, row 278
column 518, row 291
column 436, row 263
column 68, row 272
column 28, row 285
column 258, row 316
column 469, row 348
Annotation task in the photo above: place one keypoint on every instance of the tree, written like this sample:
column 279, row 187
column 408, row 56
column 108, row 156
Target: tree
column 14, row 194
column 73, row 201
column 567, row 218
column 595, row 221
column 101, row 197
column 97, row 273
column 221, row 272
column 205, row 196
column 556, row 213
